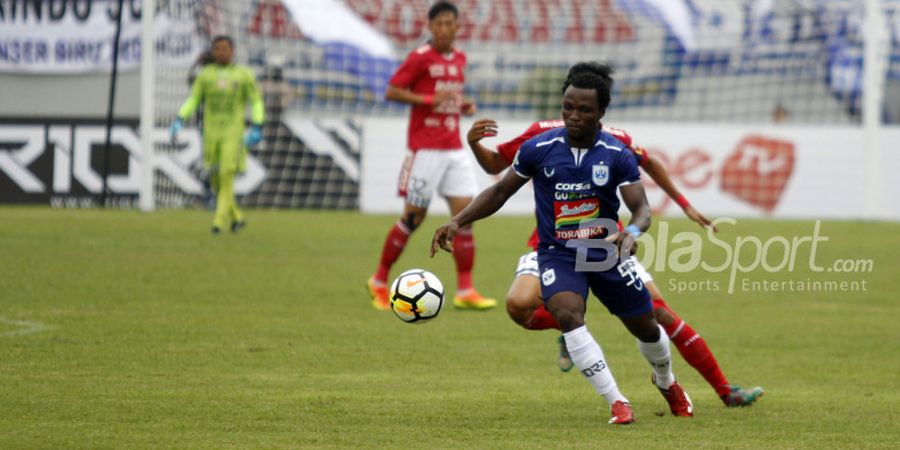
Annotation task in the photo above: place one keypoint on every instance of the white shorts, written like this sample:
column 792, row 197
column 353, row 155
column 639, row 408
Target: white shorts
column 450, row 172
column 641, row 271
column 528, row 265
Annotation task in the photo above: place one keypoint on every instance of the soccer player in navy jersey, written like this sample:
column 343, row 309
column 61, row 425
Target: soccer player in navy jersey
column 576, row 172
column 523, row 300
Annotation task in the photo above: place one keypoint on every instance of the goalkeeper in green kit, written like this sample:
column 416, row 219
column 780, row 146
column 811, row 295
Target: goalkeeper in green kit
column 224, row 89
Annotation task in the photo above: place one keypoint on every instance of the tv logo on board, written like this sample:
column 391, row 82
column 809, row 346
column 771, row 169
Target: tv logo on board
column 756, row 172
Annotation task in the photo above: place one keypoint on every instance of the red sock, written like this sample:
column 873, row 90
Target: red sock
column 541, row 319
column 393, row 247
column 694, row 350
column 464, row 255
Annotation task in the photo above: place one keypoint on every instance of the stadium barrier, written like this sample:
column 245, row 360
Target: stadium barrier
column 725, row 170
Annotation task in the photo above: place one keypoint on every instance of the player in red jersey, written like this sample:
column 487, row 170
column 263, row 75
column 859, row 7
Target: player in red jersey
column 431, row 80
column 523, row 301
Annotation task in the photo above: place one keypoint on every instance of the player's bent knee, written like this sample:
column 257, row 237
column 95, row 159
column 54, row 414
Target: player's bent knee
column 412, row 219
column 569, row 320
column 519, row 308
column 648, row 333
column 644, row 327
column 518, row 315
column 651, row 335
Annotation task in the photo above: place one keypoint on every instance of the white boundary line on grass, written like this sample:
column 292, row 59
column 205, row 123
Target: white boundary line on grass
column 28, row 327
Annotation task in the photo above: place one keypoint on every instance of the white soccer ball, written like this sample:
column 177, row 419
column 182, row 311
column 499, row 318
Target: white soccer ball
column 417, row 296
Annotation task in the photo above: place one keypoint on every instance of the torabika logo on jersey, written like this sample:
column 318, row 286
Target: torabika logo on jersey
column 569, row 213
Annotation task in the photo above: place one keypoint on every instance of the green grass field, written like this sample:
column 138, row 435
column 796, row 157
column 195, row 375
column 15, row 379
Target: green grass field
column 127, row 330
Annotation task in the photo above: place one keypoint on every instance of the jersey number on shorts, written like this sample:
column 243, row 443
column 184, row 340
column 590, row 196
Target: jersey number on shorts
column 626, row 269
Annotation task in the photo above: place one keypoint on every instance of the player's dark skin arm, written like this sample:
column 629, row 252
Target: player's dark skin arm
column 636, row 201
column 485, row 204
column 492, row 162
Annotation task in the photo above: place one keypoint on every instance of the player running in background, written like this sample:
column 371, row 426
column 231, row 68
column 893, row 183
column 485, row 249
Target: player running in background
column 224, row 89
column 576, row 172
column 523, row 301
column 431, row 80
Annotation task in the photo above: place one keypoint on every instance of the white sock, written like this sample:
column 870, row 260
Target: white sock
column 660, row 358
column 588, row 357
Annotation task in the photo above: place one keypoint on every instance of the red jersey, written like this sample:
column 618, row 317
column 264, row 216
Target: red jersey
column 509, row 149
column 426, row 72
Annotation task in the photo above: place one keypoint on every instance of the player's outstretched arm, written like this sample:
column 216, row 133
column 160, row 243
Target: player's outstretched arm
column 696, row 216
column 485, row 204
column 492, row 162
column 659, row 175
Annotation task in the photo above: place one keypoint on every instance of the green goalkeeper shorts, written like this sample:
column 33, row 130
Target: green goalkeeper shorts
column 224, row 150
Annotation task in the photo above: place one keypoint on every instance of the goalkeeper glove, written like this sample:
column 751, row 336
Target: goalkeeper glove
column 254, row 135
column 174, row 129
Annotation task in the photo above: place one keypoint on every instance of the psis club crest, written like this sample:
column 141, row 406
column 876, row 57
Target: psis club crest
column 600, row 174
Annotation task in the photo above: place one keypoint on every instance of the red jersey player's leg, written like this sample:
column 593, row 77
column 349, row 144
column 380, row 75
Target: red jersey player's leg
column 394, row 244
column 458, row 186
column 413, row 176
column 393, row 247
column 694, row 350
column 414, row 209
column 464, row 257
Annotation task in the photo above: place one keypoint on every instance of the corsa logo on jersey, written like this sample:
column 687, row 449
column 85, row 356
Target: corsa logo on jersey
column 574, row 212
column 568, row 187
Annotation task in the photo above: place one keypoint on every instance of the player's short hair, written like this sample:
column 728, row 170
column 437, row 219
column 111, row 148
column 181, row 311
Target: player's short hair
column 592, row 75
column 222, row 37
column 441, row 7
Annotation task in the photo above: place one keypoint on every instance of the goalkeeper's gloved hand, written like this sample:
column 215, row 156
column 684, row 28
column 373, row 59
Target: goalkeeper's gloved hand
column 253, row 136
column 174, row 129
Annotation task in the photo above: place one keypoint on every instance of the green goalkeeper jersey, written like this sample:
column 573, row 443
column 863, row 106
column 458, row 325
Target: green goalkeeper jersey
column 225, row 92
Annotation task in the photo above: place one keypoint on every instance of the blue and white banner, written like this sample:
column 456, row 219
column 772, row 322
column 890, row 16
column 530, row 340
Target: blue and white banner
column 77, row 37
column 351, row 44
column 675, row 15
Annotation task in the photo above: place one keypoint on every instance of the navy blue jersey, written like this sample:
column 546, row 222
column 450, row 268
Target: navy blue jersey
column 573, row 186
